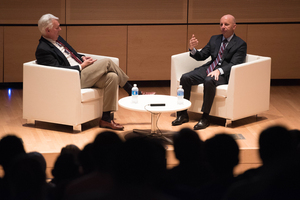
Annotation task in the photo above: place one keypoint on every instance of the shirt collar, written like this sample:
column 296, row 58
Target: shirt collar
column 228, row 39
column 50, row 40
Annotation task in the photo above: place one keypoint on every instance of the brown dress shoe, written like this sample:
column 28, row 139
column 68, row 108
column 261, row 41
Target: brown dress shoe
column 111, row 125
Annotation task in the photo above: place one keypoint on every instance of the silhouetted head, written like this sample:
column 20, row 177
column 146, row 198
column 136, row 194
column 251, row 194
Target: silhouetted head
column 275, row 143
column 222, row 152
column 11, row 146
column 105, row 148
column 70, row 148
column 26, row 178
column 86, row 159
column 141, row 161
column 39, row 157
column 188, row 146
column 65, row 168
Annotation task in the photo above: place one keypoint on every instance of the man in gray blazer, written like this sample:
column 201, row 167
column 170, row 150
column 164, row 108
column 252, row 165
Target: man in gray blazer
column 225, row 50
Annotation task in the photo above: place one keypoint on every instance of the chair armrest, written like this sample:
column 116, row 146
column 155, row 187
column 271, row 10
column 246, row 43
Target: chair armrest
column 249, row 87
column 180, row 64
column 58, row 88
column 98, row 57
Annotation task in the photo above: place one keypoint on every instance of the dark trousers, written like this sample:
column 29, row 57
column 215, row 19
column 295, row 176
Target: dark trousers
column 196, row 77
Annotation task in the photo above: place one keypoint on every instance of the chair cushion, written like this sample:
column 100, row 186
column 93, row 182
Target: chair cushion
column 221, row 90
column 90, row 94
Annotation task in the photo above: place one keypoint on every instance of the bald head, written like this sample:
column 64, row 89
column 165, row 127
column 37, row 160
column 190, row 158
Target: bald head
column 230, row 17
column 227, row 25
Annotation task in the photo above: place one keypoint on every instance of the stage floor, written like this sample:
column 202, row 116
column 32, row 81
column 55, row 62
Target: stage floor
column 48, row 138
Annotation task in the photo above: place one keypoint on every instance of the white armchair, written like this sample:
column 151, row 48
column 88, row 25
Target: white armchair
column 54, row 94
column 247, row 93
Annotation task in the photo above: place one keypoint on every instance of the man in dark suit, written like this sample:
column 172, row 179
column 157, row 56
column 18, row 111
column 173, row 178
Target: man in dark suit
column 225, row 50
column 53, row 50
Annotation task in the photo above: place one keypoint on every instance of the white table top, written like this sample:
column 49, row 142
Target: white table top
column 144, row 101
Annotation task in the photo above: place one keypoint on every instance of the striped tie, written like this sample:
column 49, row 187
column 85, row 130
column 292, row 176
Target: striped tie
column 214, row 64
column 69, row 52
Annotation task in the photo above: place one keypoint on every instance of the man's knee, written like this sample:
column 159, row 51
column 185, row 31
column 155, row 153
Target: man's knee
column 209, row 81
column 112, row 77
column 184, row 79
column 105, row 61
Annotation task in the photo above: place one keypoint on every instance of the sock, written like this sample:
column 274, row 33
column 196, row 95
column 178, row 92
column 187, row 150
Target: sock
column 205, row 115
column 183, row 112
column 106, row 116
column 127, row 87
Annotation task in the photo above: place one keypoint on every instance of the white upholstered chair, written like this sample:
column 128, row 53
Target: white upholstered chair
column 247, row 93
column 53, row 94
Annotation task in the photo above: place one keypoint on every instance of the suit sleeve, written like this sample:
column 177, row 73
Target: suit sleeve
column 203, row 54
column 46, row 57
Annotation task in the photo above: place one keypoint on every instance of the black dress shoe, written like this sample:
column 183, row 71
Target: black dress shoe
column 180, row 120
column 202, row 124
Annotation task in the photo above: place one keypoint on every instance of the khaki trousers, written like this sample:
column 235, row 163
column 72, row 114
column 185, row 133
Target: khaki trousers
column 104, row 74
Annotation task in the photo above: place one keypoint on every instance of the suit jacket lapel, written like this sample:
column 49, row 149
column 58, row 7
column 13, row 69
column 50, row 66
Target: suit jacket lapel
column 230, row 45
column 218, row 45
column 56, row 51
column 69, row 47
column 61, row 55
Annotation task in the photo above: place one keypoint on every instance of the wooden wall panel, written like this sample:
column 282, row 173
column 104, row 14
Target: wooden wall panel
column 1, row 54
column 281, row 43
column 128, row 26
column 210, row 11
column 100, row 40
column 126, row 12
column 150, row 49
column 19, row 46
column 29, row 12
column 204, row 32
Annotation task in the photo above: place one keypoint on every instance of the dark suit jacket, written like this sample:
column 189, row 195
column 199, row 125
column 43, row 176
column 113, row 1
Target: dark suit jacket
column 234, row 53
column 47, row 54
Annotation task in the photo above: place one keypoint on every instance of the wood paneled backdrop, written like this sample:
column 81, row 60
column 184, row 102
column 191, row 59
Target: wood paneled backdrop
column 144, row 34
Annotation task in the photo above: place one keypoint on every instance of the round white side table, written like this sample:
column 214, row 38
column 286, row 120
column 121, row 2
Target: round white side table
column 148, row 103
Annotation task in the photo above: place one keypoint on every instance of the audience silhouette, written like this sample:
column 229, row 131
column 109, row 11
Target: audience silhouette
column 86, row 160
column 222, row 154
column 38, row 157
column 141, row 163
column 11, row 147
column 110, row 168
column 27, row 179
column 192, row 171
column 98, row 160
column 65, row 170
column 278, row 177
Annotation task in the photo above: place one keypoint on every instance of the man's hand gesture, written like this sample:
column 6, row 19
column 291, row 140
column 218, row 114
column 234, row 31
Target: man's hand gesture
column 87, row 61
column 193, row 42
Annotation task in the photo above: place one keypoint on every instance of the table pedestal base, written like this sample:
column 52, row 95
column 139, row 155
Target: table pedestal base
column 154, row 132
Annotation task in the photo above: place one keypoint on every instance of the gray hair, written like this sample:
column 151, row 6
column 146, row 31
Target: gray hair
column 46, row 22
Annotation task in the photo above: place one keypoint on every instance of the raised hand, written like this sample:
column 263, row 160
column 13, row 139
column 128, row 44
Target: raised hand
column 193, row 42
